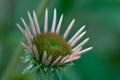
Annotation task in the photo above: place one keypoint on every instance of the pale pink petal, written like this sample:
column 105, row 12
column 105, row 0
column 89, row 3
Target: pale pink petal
column 36, row 23
column 72, row 59
column 75, row 52
column 68, row 29
column 54, row 21
column 84, row 51
column 56, row 61
column 63, row 60
column 27, row 28
column 78, row 38
column 44, row 58
column 59, row 24
column 25, row 34
column 46, row 21
column 47, row 62
column 20, row 28
column 81, row 44
column 76, row 34
column 35, row 52
column 28, row 39
column 26, row 47
column 32, row 23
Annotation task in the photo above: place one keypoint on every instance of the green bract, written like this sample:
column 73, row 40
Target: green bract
column 41, row 71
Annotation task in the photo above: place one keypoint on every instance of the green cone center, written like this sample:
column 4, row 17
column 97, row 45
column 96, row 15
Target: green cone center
column 54, row 44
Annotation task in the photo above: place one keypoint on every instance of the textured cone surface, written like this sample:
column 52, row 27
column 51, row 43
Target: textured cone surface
column 54, row 44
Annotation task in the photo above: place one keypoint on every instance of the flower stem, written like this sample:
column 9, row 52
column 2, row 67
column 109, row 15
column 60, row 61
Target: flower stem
column 13, row 61
column 42, row 7
column 19, row 50
column 46, row 76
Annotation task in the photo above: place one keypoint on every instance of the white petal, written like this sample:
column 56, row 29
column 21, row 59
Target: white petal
column 36, row 22
column 59, row 24
column 54, row 21
column 46, row 21
column 32, row 23
column 78, row 38
column 68, row 29
column 76, row 34
column 81, row 44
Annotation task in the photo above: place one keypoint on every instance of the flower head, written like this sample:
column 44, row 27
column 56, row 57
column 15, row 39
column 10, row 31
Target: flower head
column 49, row 48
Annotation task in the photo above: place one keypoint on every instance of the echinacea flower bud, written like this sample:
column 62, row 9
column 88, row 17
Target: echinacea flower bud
column 48, row 51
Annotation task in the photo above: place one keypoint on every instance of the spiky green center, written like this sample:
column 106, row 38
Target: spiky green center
column 54, row 44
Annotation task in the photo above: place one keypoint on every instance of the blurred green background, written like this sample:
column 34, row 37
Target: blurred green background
column 102, row 20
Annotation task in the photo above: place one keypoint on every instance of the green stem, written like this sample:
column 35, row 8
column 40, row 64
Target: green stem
column 19, row 50
column 42, row 7
column 43, row 77
column 46, row 76
column 12, row 63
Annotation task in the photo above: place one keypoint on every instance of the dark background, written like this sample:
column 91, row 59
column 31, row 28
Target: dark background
column 102, row 20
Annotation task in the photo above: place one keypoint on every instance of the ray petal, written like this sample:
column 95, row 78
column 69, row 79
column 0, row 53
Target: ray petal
column 46, row 21
column 75, row 52
column 68, row 29
column 78, row 38
column 20, row 28
column 56, row 61
column 84, row 51
column 36, row 22
column 27, row 28
column 35, row 52
column 28, row 39
column 32, row 23
column 47, row 62
column 26, row 47
column 76, row 34
column 81, row 44
column 59, row 24
column 44, row 58
column 63, row 60
column 54, row 21
column 72, row 59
